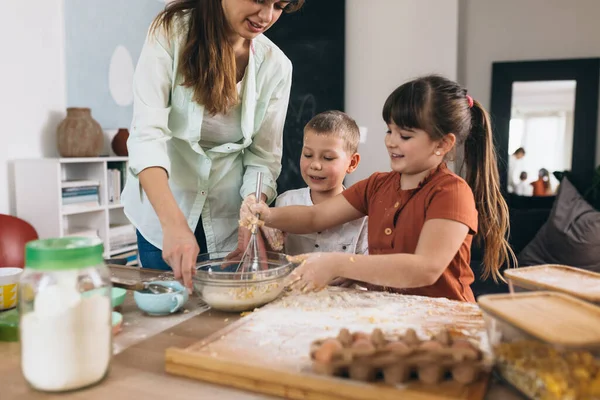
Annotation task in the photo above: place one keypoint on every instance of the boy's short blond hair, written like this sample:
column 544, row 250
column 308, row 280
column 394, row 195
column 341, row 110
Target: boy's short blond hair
column 336, row 123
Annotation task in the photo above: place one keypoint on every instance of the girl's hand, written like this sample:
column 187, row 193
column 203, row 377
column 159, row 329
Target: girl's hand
column 343, row 282
column 316, row 270
column 250, row 207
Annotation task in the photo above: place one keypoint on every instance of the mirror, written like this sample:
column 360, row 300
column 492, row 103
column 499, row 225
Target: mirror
column 550, row 109
column 540, row 139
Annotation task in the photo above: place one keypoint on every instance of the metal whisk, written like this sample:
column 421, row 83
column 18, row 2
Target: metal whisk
column 250, row 255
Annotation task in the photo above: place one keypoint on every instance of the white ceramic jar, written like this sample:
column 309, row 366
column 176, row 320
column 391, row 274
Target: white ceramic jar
column 65, row 314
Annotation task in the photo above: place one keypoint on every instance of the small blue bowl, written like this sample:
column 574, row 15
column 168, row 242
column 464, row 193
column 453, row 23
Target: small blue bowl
column 164, row 303
column 118, row 296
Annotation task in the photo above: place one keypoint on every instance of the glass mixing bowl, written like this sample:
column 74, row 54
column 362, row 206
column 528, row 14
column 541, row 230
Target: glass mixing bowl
column 220, row 286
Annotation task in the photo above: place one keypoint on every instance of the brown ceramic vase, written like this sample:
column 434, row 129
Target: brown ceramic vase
column 119, row 142
column 79, row 135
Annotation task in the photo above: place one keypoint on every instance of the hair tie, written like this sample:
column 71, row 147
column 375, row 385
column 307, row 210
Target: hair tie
column 470, row 100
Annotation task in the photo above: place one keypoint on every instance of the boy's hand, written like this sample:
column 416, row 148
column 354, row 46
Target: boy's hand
column 250, row 208
column 268, row 239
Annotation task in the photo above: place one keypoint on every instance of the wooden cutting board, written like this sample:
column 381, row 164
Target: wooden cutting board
column 268, row 351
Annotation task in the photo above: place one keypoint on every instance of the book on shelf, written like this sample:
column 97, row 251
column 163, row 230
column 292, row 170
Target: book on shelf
column 121, row 229
column 88, row 198
column 121, row 236
column 115, row 181
column 79, row 207
column 114, row 186
column 79, row 183
column 81, row 231
column 123, row 245
column 79, row 191
column 131, row 256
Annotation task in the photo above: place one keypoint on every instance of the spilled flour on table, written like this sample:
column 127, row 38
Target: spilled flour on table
column 282, row 331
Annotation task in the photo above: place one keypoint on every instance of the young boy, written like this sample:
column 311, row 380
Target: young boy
column 328, row 154
column 523, row 188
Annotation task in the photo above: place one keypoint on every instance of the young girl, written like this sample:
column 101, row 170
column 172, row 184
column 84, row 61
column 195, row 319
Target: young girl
column 542, row 186
column 422, row 217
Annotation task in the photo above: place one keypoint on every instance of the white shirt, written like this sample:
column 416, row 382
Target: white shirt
column 524, row 188
column 168, row 126
column 515, row 167
column 350, row 237
column 222, row 128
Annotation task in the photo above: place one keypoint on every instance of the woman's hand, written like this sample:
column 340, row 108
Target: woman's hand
column 236, row 255
column 274, row 237
column 316, row 270
column 180, row 252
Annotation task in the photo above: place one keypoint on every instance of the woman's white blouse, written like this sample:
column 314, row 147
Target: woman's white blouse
column 167, row 131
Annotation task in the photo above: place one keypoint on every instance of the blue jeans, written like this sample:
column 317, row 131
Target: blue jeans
column 151, row 256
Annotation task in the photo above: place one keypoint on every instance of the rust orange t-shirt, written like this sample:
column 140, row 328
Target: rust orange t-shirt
column 396, row 218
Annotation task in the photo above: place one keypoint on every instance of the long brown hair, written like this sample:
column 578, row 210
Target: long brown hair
column 440, row 106
column 207, row 61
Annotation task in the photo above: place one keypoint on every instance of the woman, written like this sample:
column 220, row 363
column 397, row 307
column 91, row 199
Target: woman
column 210, row 99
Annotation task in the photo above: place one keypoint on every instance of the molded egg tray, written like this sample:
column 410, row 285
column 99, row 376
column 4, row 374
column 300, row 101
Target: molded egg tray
column 372, row 357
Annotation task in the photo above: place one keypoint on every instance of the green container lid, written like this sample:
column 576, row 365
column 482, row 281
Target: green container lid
column 64, row 253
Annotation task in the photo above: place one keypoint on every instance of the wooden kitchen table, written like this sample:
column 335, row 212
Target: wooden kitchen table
column 138, row 372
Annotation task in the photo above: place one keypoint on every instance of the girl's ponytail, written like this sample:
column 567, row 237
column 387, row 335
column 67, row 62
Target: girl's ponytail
column 483, row 177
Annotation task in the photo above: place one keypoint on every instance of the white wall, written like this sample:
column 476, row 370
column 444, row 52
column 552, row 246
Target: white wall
column 512, row 30
column 32, row 94
column 387, row 43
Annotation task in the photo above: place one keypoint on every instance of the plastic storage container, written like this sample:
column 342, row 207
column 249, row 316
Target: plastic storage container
column 545, row 343
column 561, row 278
column 65, row 314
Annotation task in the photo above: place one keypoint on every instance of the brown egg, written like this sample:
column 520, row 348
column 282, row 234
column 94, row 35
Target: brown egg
column 464, row 350
column 399, row 348
column 431, row 345
column 462, row 344
column 327, row 350
column 363, row 344
column 360, row 335
column 443, row 337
